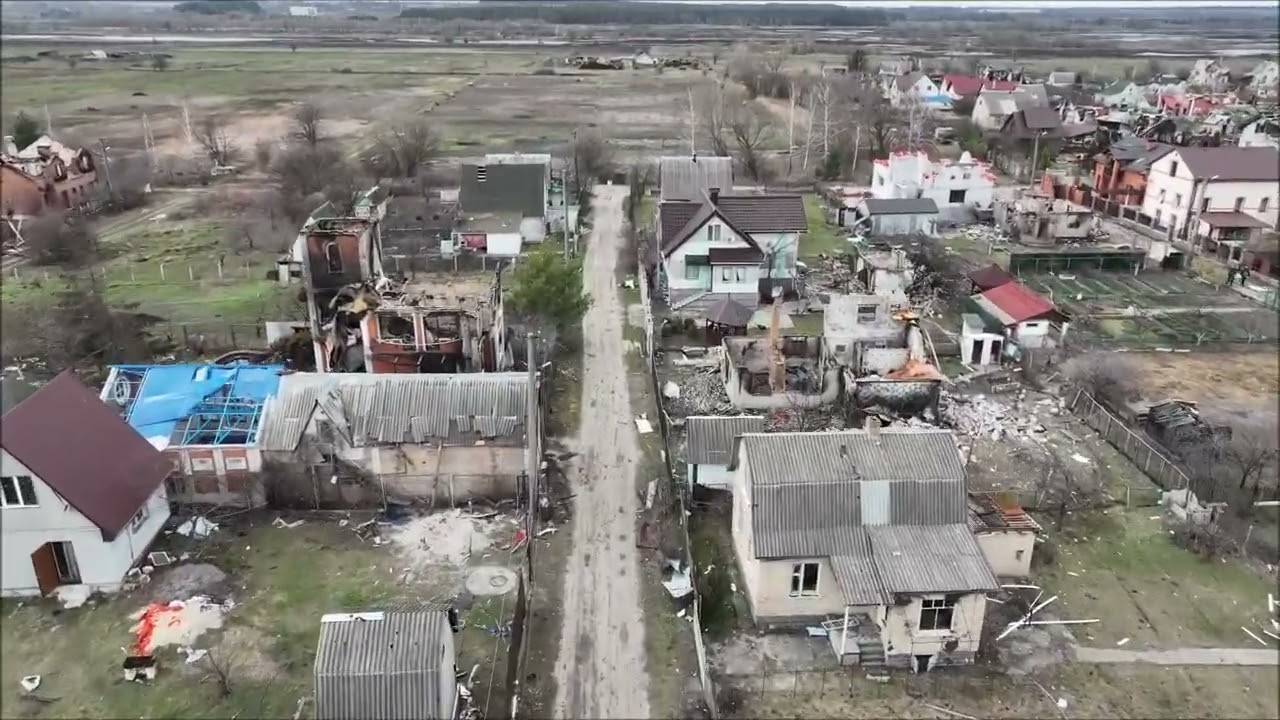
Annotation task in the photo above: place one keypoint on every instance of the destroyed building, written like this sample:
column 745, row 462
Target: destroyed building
column 883, row 269
column 1178, row 426
column 793, row 372
column 205, row 419
column 44, row 175
column 363, row 320
column 1038, row 221
column 436, row 438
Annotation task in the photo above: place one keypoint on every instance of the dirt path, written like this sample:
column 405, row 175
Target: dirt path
column 601, row 670
column 1181, row 656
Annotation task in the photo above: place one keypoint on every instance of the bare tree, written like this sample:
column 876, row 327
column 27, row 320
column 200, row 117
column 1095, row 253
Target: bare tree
column 60, row 239
column 213, row 138
column 403, row 150
column 1106, row 376
column 1063, row 488
column 713, row 101
column 306, row 123
column 222, row 668
column 592, row 157
column 750, row 131
column 1252, row 455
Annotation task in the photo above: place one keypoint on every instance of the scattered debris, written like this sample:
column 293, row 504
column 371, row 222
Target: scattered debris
column 545, row 531
column 1248, row 632
column 1124, row 641
column 816, row 631
column 193, row 655
column 280, row 523
column 72, row 596
column 643, row 425
column 952, row 713
column 196, row 528
column 160, row 558
column 30, row 683
column 177, row 622
column 679, row 584
column 1035, row 607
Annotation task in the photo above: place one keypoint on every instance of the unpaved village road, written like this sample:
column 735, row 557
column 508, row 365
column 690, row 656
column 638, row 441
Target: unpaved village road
column 601, row 670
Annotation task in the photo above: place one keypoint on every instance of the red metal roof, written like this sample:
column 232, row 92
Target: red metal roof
column 85, row 451
column 963, row 85
column 991, row 276
column 1019, row 302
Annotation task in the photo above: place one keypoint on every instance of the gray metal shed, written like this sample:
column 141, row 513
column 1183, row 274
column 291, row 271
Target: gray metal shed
column 393, row 665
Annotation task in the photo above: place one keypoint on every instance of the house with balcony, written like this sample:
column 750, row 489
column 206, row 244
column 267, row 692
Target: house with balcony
column 735, row 246
column 1197, row 180
column 866, row 532
column 1120, row 173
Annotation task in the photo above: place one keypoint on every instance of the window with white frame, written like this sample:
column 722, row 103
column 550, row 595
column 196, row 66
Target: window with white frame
column 237, row 463
column 937, row 613
column 201, row 464
column 713, row 233
column 17, row 491
column 138, row 518
column 804, row 579
column 691, row 271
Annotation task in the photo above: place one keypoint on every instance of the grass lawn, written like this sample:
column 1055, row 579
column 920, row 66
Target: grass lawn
column 822, row 238
column 188, row 292
column 1128, row 574
column 282, row 580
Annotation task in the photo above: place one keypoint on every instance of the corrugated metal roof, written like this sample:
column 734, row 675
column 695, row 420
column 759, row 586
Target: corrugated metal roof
column 373, row 409
column 900, row 206
column 1013, row 302
column 386, row 665
column 930, row 558
column 858, row 580
column 812, row 492
column 687, row 178
column 709, row 439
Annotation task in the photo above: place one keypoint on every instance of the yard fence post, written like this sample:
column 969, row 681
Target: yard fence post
column 191, row 273
column 15, row 273
column 186, row 339
column 162, row 271
column 219, row 268
column 232, row 330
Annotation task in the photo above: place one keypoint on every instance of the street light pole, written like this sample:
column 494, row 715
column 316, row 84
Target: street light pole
column 1193, row 227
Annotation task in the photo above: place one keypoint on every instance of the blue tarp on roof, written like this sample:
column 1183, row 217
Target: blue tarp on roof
column 169, row 394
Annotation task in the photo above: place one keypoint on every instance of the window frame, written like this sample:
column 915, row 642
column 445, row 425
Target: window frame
column 25, row 492
column 1264, row 204
column 798, row 574
column 139, row 518
column 333, row 256
column 713, row 233
column 938, row 608
column 692, row 272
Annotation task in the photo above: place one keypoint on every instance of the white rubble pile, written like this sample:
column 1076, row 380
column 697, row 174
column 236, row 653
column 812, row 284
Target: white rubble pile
column 986, row 233
column 700, row 392
column 979, row 415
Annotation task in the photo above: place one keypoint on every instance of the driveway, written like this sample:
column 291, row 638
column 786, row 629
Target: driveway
column 601, row 671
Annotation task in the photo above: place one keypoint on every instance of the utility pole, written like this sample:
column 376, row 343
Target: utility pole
column 533, row 435
column 857, row 140
column 186, row 123
column 106, row 166
column 791, row 126
column 48, row 121
column 1035, row 157
column 693, row 126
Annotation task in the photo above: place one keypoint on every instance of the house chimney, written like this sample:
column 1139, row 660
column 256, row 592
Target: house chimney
column 9, row 147
column 714, row 193
column 872, row 425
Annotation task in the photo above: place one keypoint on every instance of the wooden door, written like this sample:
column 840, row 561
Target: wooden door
column 46, row 568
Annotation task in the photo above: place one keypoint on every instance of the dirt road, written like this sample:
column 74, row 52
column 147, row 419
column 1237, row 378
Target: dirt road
column 601, row 670
column 1181, row 656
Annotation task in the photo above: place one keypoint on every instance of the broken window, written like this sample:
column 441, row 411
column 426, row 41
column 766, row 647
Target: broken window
column 936, row 613
column 395, row 329
column 804, row 579
column 333, row 256
column 956, row 196
column 445, row 325
column 866, row 313
column 17, row 491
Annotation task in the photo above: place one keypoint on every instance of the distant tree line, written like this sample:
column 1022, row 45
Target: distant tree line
column 219, row 7
column 595, row 12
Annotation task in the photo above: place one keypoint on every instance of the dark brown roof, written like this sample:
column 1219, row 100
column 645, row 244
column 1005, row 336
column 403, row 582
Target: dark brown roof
column 1231, row 219
column 1232, row 163
column 735, row 255
column 745, row 214
column 730, row 312
column 1027, row 124
column 85, row 451
column 991, row 276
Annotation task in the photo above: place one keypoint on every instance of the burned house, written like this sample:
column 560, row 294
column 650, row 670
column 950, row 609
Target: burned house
column 782, row 372
column 205, row 420
column 1039, row 221
column 1178, row 426
column 363, row 320
column 44, row 175
column 437, row 438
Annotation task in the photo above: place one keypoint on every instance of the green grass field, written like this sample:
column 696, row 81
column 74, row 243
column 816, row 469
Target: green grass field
column 822, row 238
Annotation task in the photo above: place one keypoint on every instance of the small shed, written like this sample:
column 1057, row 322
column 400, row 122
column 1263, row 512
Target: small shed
column 709, row 446
column 393, row 665
column 898, row 216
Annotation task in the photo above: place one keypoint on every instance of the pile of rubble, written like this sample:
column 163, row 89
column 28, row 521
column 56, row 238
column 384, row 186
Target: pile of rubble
column 829, row 272
column 700, row 392
column 986, row 234
column 979, row 415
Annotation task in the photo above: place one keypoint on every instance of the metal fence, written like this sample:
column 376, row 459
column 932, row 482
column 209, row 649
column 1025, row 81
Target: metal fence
column 1163, row 471
column 664, row 430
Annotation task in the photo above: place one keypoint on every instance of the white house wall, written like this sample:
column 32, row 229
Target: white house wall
column 715, row 476
column 102, row 565
column 904, row 224
column 1008, row 552
column 903, row 639
column 1176, row 204
column 699, row 245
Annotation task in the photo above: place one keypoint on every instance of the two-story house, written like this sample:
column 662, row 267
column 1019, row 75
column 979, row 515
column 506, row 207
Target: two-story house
column 866, row 532
column 993, row 106
column 82, row 494
column 1194, row 180
column 917, row 88
column 44, row 175
column 739, row 246
column 1120, row 173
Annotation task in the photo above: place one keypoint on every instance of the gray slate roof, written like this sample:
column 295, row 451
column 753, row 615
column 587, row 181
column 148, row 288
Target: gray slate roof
column 900, row 206
column 687, row 178
column 505, row 188
column 891, row 512
column 710, row 438
column 382, row 668
column 379, row 409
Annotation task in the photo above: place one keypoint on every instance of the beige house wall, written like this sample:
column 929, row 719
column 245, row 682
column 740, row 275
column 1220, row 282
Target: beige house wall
column 904, row 639
column 1008, row 551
